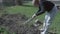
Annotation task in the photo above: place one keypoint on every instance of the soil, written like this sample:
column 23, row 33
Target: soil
column 12, row 23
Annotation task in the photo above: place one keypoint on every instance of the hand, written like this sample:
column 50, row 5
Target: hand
column 34, row 16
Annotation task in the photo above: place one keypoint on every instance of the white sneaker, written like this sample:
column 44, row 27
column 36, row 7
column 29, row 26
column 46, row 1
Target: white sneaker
column 41, row 30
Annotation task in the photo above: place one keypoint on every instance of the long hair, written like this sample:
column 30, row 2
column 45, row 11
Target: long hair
column 35, row 3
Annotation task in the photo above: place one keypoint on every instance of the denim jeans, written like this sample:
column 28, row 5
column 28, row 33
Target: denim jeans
column 48, row 19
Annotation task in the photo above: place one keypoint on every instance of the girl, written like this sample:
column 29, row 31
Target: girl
column 50, row 9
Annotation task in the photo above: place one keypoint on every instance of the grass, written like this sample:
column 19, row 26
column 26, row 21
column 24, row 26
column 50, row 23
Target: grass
column 3, row 31
column 29, row 10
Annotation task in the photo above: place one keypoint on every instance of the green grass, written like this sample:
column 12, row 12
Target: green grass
column 3, row 30
column 29, row 11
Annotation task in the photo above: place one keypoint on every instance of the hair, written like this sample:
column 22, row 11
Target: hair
column 36, row 3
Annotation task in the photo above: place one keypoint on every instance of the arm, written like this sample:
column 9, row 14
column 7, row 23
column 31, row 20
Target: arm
column 40, row 11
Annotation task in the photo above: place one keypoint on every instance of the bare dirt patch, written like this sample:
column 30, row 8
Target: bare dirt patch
column 12, row 23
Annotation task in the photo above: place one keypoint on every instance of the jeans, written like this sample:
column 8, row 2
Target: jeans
column 48, row 19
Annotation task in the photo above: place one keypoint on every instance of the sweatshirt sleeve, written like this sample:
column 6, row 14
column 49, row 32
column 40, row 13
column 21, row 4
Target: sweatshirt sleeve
column 41, row 10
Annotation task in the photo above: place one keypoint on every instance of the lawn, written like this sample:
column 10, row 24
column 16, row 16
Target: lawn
column 29, row 10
